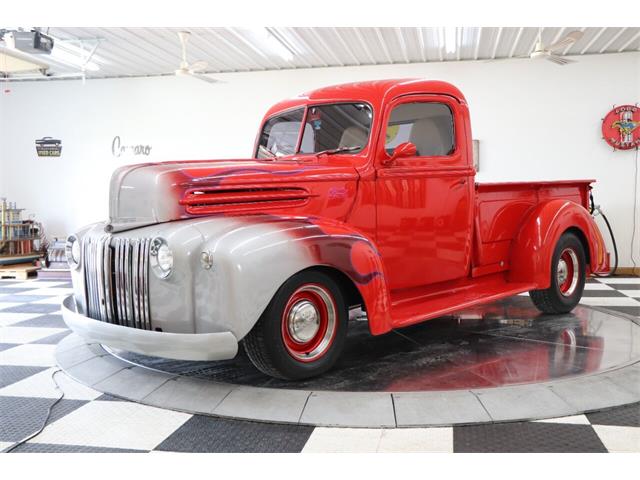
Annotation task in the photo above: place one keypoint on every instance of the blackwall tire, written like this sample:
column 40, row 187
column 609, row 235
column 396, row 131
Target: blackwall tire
column 302, row 331
column 568, row 276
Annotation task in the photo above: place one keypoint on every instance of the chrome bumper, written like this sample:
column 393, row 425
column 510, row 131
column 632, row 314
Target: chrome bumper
column 179, row 346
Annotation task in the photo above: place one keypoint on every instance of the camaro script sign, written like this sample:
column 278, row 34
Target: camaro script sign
column 118, row 149
column 621, row 127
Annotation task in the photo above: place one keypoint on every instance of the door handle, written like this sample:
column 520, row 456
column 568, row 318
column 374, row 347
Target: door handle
column 459, row 183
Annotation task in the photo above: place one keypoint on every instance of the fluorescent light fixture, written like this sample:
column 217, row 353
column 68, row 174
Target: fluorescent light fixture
column 450, row 39
column 70, row 54
column 272, row 44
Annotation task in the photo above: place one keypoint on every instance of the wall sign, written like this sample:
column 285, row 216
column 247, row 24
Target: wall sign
column 118, row 149
column 621, row 127
column 48, row 147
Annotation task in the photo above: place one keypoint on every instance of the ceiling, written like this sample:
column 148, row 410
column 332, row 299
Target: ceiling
column 156, row 51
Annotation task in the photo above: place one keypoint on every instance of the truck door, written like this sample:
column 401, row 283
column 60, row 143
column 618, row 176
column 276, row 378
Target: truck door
column 424, row 201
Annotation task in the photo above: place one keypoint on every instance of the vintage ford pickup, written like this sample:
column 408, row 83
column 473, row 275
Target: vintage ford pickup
column 358, row 195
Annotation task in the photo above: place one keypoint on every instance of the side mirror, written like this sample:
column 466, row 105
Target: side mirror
column 404, row 150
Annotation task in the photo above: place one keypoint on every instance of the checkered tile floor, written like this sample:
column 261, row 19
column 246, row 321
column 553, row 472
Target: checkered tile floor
column 87, row 421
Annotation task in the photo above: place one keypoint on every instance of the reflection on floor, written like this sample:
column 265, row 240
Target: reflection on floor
column 86, row 421
column 509, row 342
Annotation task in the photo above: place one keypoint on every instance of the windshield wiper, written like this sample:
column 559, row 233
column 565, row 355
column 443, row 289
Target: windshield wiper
column 332, row 151
column 268, row 154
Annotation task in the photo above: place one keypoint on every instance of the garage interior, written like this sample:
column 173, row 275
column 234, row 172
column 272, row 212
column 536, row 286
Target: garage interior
column 109, row 97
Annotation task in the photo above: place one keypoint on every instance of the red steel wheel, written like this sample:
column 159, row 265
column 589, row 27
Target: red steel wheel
column 568, row 272
column 309, row 323
column 568, row 275
column 303, row 330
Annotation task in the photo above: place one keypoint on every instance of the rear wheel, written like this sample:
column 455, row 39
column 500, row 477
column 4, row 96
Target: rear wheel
column 568, row 275
column 303, row 329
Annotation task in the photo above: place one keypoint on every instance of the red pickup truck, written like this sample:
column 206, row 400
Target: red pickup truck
column 358, row 195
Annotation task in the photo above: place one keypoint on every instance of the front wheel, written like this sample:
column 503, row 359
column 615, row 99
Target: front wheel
column 303, row 329
column 568, row 275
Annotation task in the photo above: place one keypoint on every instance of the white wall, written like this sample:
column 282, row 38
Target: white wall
column 535, row 120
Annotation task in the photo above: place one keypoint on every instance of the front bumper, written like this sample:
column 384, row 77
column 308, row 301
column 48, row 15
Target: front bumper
column 178, row 346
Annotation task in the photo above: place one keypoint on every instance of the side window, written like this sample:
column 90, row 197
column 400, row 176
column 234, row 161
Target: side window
column 428, row 125
column 280, row 135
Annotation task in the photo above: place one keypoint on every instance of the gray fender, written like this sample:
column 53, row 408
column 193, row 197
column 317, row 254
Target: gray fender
column 254, row 255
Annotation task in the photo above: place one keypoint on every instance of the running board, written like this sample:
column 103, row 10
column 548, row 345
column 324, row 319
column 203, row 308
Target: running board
column 407, row 311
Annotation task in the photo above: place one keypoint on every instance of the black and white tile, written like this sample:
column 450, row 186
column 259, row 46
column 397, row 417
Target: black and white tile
column 87, row 421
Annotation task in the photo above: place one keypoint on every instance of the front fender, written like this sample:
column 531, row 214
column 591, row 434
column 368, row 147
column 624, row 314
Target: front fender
column 254, row 255
column 532, row 249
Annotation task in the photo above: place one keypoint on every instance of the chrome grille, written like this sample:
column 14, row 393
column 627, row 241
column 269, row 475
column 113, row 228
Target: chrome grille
column 116, row 280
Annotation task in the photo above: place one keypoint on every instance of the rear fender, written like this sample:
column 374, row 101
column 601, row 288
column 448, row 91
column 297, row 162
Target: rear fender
column 257, row 254
column 532, row 249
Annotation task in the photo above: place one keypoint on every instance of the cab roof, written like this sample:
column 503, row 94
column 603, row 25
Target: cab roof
column 374, row 92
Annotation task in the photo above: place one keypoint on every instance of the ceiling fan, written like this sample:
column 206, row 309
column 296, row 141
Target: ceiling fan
column 547, row 52
column 542, row 51
column 194, row 69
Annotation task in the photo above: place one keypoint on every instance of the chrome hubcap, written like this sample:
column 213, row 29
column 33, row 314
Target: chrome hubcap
column 562, row 271
column 303, row 321
column 568, row 272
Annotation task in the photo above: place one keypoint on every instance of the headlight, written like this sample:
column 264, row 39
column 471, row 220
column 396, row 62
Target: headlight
column 161, row 258
column 72, row 250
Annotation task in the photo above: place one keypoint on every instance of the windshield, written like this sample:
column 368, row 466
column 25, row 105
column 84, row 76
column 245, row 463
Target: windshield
column 342, row 127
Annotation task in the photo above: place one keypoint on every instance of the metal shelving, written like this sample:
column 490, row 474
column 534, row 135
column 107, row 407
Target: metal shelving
column 19, row 239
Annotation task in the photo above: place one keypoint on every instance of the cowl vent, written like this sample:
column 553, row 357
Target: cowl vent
column 207, row 201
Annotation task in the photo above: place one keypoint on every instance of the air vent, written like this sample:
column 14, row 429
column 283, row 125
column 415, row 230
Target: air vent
column 208, row 201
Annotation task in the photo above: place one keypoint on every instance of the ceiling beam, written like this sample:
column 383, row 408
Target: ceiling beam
column 477, row 49
column 629, row 42
column 258, row 51
column 281, row 35
column 314, row 32
column 497, row 42
column 306, row 45
column 515, row 42
column 364, row 45
column 122, row 54
column 214, row 51
column 113, row 60
column 535, row 39
column 346, row 46
column 252, row 63
column 422, row 44
column 403, row 44
column 384, row 44
column 613, row 39
column 558, row 35
column 593, row 40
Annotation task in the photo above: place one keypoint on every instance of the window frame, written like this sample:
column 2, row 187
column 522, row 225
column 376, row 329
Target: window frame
column 306, row 108
column 276, row 115
column 455, row 158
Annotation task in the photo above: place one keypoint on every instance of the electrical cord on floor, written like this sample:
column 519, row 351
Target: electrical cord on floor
column 635, row 208
column 46, row 420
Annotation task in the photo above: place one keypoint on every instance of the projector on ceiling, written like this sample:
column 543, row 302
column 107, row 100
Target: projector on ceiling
column 29, row 42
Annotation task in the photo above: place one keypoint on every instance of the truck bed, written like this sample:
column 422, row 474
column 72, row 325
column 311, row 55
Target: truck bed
column 502, row 207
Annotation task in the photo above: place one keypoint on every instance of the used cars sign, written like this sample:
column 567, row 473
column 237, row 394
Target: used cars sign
column 48, row 147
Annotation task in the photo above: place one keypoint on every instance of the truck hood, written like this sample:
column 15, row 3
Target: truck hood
column 150, row 193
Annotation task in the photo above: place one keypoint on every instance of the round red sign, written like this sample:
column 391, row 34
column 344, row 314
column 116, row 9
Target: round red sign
column 621, row 127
